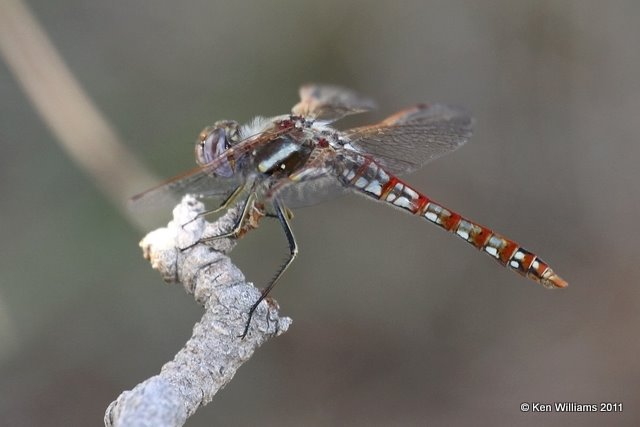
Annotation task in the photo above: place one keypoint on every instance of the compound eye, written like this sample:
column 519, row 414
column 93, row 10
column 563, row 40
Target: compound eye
column 211, row 144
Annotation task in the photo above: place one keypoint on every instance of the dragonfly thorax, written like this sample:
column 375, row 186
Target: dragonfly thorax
column 283, row 154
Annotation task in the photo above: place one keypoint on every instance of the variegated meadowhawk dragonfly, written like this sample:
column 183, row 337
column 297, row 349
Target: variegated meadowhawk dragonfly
column 272, row 164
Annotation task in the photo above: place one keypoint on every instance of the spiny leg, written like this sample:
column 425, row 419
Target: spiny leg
column 225, row 204
column 283, row 214
column 237, row 228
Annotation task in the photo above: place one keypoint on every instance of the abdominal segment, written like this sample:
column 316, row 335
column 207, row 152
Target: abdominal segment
column 369, row 178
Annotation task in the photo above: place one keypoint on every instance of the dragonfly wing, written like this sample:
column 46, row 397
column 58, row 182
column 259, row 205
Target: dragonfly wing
column 330, row 103
column 410, row 138
column 311, row 192
column 199, row 182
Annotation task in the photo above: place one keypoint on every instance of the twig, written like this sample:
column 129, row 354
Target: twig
column 209, row 360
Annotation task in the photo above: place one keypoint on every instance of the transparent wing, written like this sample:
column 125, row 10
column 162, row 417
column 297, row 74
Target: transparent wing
column 199, row 182
column 203, row 181
column 410, row 138
column 311, row 192
column 330, row 103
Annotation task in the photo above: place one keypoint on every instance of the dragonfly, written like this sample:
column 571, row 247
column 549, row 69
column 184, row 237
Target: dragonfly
column 271, row 165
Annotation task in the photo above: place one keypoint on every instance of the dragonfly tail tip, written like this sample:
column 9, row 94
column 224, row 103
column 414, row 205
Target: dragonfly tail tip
column 553, row 281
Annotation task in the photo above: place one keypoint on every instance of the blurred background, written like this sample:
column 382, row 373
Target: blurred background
column 395, row 321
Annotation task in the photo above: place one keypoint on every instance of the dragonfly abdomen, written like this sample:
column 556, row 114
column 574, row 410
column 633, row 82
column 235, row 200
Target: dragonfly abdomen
column 372, row 180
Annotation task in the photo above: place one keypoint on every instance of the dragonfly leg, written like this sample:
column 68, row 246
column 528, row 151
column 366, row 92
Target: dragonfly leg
column 225, row 204
column 283, row 214
column 237, row 228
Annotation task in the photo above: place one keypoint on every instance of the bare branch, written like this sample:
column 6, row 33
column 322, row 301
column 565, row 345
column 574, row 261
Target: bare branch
column 209, row 360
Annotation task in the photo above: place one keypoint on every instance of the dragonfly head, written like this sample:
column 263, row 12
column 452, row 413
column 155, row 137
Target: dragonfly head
column 215, row 140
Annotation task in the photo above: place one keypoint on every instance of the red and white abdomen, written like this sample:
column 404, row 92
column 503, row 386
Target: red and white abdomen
column 369, row 178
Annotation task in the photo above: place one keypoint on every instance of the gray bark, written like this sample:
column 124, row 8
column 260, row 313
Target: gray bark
column 209, row 360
